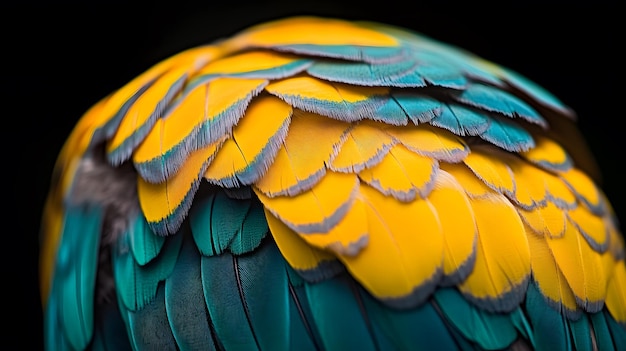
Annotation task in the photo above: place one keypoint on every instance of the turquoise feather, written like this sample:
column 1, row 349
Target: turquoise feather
column 461, row 120
column 602, row 332
column 136, row 284
column 338, row 314
column 361, row 73
column 489, row 330
column 422, row 328
column 371, row 54
column 75, row 276
column 580, row 332
column 617, row 331
column 508, row 135
column 220, row 223
column 241, row 292
column 149, row 327
column 144, row 245
column 418, row 108
column 550, row 328
column 184, row 299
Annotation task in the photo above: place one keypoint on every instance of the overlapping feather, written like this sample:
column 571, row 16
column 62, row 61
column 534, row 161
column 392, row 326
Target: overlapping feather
column 408, row 163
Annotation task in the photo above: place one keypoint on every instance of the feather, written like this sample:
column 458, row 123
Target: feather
column 616, row 294
column 166, row 204
column 137, row 285
column 184, row 299
column 548, row 154
column 311, row 263
column 585, row 270
column 402, row 174
column 500, row 275
column 192, row 123
column 363, row 147
column 300, row 164
column 241, row 291
column 144, row 245
column 547, row 220
column 396, row 266
column 326, row 203
column 495, row 99
column 432, row 142
column 148, row 326
column 492, row 331
column 591, row 227
column 490, row 167
column 508, row 135
column 247, row 155
column 340, row 101
column 461, row 120
column 362, row 73
column 602, row 332
column 550, row 328
column 419, row 108
column 585, row 190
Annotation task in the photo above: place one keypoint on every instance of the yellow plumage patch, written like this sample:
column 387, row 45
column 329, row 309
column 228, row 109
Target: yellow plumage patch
column 364, row 146
column 305, row 87
column 616, row 293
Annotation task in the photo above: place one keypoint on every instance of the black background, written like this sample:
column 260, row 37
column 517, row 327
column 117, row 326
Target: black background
column 60, row 58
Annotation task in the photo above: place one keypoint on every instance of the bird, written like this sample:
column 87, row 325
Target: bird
column 316, row 183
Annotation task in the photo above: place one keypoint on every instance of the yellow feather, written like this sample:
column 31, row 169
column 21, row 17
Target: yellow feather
column 308, row 148
column 473, row 186
column 402, row 174
column 300, row 255
column 192, row 111
column 305, row 87
column 248, row 61
column 592, row 226
column 138, row 114
column 310, row 30
column 545, row 151
column 457, row 222
column 430, row 141
column 348, row 237
column 616, row 293
column 530, row 183
column 489, row 165
column 582, row 185
column 317, row 209
column 545, row 220
column 503, row 255
column 264, row 118
column 585, row 270
column 363, row 147
column 158, row 201
column 547, row 274
column 399, row 259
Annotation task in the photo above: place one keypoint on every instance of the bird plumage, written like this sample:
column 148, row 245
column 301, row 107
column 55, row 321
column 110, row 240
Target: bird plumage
column 313, row 183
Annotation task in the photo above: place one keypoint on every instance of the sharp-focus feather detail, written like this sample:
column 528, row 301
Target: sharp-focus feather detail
column 245, row 157
column 300, row 164
column 402, row 174
column 318, row 184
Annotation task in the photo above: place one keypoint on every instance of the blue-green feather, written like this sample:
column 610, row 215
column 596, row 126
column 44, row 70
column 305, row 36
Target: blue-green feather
column 73, row 287
column 145, row 245
column 618, row 331
column 361, row 73
column 136, row 284
column 508, row 135
column 581, row 333
column 550, row 327
column 339, row 316
column 489, row 330
column 418, row 108
column 253, row 229
column 148, row 327
column 461, row 120
column 184, row 299
column 373, row 54
column 602, row 331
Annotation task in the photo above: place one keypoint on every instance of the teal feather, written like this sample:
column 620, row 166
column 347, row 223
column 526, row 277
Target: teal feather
column 438, row 72
column 241, row 292
column 581, row 333
column 617, row 330
column 418, row 108
column 534, row 90
column 253, row 229
column 220, row 223
column 54, row 334
column 602, row 331
column 522, row 324
column 75, row 274
column 148, row 327
column 124, row 151
column 361, row 73
column 461, row 120
column 391, row 113
column 144, row 244
column 497, row 100
column 304, row 334
column 371, row 54
column 508, row 135
column 136, row 284
column 489, row 330
column 550, row 327
column 420, row 328
column 338, row 314
column 184, row 299
column 110, row 332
